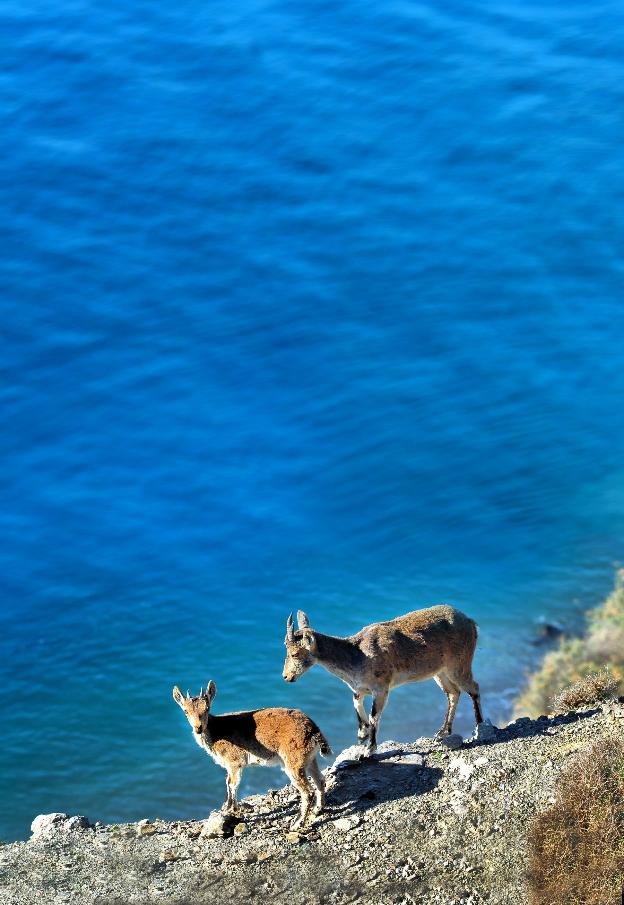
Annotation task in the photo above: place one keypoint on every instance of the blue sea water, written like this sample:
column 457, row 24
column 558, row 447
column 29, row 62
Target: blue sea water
column 312, row 305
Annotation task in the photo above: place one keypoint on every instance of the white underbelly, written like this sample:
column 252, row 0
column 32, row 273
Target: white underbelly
column 275, row 761
column 403, row 678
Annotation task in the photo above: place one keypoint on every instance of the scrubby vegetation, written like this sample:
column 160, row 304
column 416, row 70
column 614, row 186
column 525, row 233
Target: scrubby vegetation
column 576, row 847
column 593, row 688
column 576, row 658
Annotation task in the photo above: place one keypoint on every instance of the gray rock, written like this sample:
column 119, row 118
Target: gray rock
column 217, row 825
column 78, row 822
column 452, row 742
column 521, row 721
column 344, row 824
column 416, row 760
column 390, row 747
column 485, row 732
column 349, row 757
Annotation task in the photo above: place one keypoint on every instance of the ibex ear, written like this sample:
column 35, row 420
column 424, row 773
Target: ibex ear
column 178, row 697
column 211, row 691
column 308, row 641
column 303, row 620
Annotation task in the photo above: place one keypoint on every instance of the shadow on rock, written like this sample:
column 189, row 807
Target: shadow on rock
column 384, row 778
column 525, row 727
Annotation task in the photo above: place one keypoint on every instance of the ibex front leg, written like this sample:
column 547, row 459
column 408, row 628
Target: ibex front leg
column 379, row 702
column 232, row 783
column 363, row 724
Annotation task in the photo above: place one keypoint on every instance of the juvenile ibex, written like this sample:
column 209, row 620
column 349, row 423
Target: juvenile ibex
column 438, row 642
column 268, row 737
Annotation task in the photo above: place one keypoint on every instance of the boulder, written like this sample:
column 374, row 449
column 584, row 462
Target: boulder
column 48, row 824
column 344, row 824
column 219, row 825
column 452, row 742
column 485, row 732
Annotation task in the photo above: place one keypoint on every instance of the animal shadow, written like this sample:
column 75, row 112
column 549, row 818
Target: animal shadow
column 380, row 779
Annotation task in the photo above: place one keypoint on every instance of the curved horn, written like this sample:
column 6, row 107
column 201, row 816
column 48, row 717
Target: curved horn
column 303, row 620
column 290, row 629
column 201, row 691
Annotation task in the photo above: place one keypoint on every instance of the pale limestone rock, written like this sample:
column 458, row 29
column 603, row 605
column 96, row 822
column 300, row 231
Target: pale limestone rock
column 217, row 825
column 46, row 823
column 462, row 767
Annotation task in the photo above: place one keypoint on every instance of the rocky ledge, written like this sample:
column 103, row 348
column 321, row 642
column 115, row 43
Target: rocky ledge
column 419, row 823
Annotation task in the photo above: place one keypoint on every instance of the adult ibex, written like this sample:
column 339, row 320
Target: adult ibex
column 268, row 737
column 438, row 642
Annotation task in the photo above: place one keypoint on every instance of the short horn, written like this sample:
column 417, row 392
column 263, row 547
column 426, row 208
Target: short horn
column 201, row 691
column 188, row 695
column 290, row 629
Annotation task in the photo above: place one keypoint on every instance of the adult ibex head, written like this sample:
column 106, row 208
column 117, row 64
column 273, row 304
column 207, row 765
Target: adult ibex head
column 301, row 648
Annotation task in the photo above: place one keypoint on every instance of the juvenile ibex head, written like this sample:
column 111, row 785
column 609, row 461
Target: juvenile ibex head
column 196, row 708
column 300, row 648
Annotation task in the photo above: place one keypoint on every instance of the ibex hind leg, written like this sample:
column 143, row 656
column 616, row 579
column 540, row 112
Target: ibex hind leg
column 314, row 772
column 363, row 724
column 467, row 683
column 300, row 781
column 452, row 692
column 379, row 702
column 472, row 688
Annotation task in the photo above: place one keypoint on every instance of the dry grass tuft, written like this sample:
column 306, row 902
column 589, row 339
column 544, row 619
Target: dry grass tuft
column 576, row 847
column 593, row 688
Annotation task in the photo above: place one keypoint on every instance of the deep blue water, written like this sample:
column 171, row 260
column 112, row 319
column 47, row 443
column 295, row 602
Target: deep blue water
column 311, row 305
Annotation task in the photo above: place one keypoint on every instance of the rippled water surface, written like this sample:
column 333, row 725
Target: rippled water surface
column 305, row 306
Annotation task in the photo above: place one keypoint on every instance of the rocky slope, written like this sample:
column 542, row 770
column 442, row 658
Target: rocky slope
column 419, row 823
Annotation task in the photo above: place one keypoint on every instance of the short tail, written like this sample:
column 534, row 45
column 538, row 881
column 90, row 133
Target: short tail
column 326, row 751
